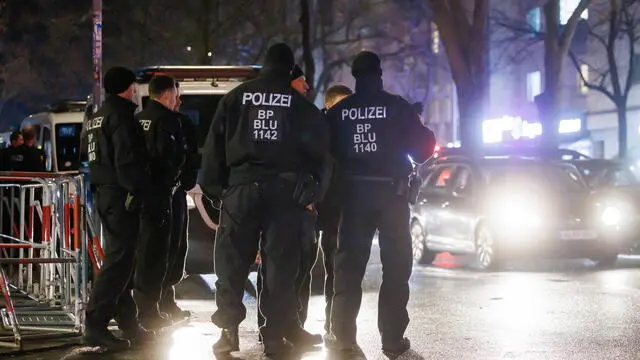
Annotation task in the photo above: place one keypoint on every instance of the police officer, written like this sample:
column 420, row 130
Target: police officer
column 119, row 178
column 310, row 250
column 178, row 245
column 10, row 158
column 34, row 157
column 299, row 81
column 257, row 158
column 372, row 134
column 166, row 153
column 329, row 210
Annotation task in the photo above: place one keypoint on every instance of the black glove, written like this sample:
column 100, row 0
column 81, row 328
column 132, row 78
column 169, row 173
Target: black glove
column 307, row 190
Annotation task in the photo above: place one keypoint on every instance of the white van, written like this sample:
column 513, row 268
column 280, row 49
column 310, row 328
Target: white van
column 58, row 134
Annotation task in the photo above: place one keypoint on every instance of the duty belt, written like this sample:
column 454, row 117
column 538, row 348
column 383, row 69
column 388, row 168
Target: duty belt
column 370, row 178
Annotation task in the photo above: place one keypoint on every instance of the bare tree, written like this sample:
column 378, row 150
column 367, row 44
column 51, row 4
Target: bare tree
column 463, row 28
column 557, row 41
column 556, row 48
column 307, row 51
column 617, row 34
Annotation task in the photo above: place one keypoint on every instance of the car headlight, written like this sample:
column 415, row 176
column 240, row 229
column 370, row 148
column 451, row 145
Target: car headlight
column 516, row 212
column 611, row 216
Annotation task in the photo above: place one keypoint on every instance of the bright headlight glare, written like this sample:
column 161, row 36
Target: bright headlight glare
column 516, row 213
column 611, row 216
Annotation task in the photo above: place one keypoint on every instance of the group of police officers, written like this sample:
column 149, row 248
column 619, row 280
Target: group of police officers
column 140, row 167
column 284, row 171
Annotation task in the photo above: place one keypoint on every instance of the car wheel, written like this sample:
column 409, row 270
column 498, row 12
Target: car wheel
column 486, row 254
column 605, row 260
column 421, row 254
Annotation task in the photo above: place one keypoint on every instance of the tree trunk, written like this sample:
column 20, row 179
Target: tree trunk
column 471, row 106
column 549, row 101
column 621, row 106
column 307, row 51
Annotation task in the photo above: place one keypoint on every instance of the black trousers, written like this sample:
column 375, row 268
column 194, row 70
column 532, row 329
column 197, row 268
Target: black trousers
column 253, row 213
column 369, row 206
column 308, row 258
column 110, row 293
column 152, row 253
column 178, row 247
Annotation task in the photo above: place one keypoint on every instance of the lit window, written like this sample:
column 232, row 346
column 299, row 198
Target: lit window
column 567, row 7
column 534, row 85
column 584, row 74
column 533, row 19
column 435, row 39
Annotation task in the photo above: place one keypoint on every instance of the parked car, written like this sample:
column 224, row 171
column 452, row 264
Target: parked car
column 499, row 207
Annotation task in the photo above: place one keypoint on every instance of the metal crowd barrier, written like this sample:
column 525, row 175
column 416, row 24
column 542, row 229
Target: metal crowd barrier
column 47, row 239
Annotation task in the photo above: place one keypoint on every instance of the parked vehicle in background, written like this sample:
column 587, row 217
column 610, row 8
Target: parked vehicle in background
column 499, row 207
column 58, row 134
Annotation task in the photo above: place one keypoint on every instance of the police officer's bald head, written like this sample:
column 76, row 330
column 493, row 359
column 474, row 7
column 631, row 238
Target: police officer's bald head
column 280, row 57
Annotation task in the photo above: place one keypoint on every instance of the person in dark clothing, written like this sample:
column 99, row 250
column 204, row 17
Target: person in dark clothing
column 309, row 255
column 162, row 131
column 35, row 158
column 372, row 134
column 329, row 210
column 263, row 158
column 120, row 180
column 299, row 81
column 9, row 157
column 26, row 156
column 180, row 218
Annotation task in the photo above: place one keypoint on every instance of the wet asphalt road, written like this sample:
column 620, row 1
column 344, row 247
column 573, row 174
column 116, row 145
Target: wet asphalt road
column 539, row 310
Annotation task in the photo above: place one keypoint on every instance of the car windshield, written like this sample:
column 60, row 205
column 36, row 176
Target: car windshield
column 554, row 177
column 68, row 146
column 607, row 174
column 200, row 108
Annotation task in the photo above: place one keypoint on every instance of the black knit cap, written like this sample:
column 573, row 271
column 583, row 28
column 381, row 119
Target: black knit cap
column 117, row 80
column 366, row 63
column 279, row 57
column 296, row 72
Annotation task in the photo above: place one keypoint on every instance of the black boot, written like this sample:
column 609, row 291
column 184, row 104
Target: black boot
column 302, row 339
column 346, row 348
column 139, row 336
column 276, row 350
column 105, row 340
column 228, row 342
column 154, row 321
column 396, row 349
column 174, row 312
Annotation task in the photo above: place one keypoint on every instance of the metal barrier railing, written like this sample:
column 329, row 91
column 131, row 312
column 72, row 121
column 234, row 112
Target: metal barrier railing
column 44, row 273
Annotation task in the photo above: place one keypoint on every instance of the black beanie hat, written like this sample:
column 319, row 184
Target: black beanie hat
column 296, row 72
column 366, row 63
column 280, row 57
column 117, row 80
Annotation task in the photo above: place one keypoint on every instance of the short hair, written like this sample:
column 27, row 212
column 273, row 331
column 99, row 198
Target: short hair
column 15, row 135
column 29, row 134
column 159, row 84
column 335, row 91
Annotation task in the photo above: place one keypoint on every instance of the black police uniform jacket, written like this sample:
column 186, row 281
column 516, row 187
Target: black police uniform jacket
column 373, row 132
column 261, row 128
column 116, row 148
column 189, row 174
column 165, row 144
column 25, row 158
